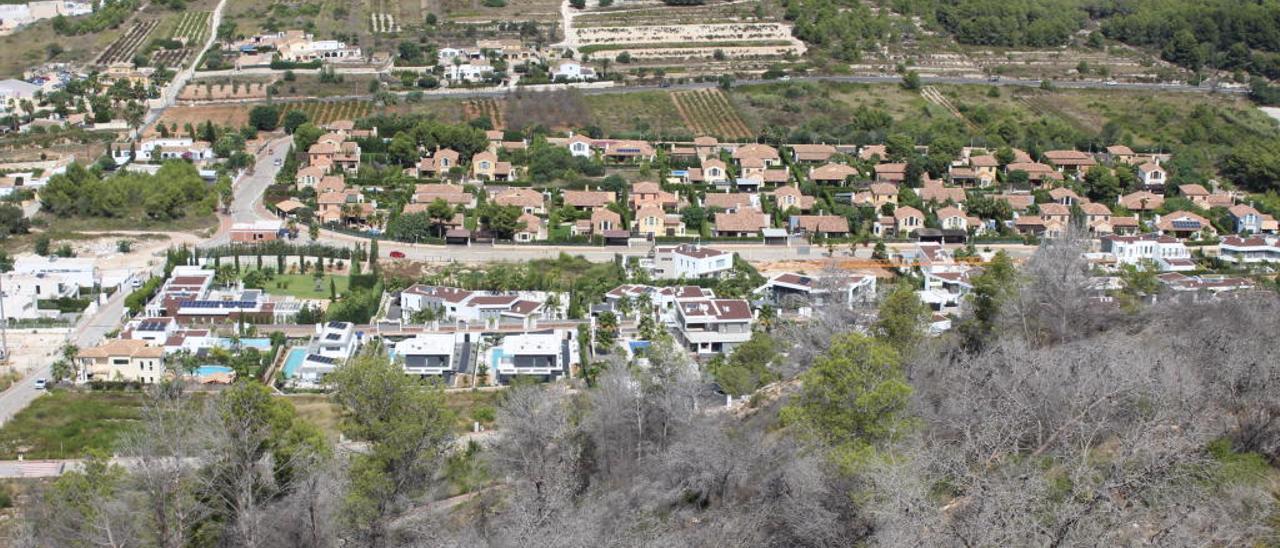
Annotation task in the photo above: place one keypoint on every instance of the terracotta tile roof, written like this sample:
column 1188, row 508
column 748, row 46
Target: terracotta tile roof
column 1135, row 201
column 763, row 152
column 744, row 220
column 1016, row 201
column 832, row 172
column 813, row 153
column 1069, row 158
column 588, row 198
column 519, row 196
column 949, row 212
column 883, row 189
column 116, row 348
column 1055, row 210
column 1192, row 190
column 985, row 160
column 935, row 191
column 829, row 224
column 1095, row 208
column 906, row 212
column 727, row 200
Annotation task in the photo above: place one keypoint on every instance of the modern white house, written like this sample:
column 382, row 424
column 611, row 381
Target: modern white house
column 336, row 340
column 434, row 355
column 707, row 327
column 1166, row 252
column 690, row 262
column 544, row 356
column 800, row 292
column 456, row 304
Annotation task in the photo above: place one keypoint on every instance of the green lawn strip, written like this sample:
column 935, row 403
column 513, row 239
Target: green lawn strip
column 303, row 286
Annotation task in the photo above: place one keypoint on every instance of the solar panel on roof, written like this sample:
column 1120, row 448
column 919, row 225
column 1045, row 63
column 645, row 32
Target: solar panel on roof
column 1186, row 225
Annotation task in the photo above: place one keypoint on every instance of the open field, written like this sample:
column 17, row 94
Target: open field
column 791, row 104
column 641, row 112
column 709, row 112
column 229, row 115
column 68, row 424
column 319, row 409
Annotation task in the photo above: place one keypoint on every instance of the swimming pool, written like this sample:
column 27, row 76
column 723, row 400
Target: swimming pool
column 296, row 356
column 207, row 370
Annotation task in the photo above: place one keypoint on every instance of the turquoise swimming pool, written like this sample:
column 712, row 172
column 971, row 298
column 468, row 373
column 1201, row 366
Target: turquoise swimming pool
column 206, row 370
column 294, row 360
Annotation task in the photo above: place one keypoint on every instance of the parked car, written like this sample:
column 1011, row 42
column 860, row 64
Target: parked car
column 397, row 254
column 40, row 384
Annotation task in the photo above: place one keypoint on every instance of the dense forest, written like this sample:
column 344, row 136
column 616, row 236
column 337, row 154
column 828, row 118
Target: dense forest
column 1047, row 417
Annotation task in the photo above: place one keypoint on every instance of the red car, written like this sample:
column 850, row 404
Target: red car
column 397, row 254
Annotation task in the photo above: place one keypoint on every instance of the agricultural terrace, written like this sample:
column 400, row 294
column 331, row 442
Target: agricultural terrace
column 216, row 91
column 477, row 11
column 484, row 108
column 324, row 112
column 699, row 41
column 192, row 27
column 709, row 112
column 124, row 48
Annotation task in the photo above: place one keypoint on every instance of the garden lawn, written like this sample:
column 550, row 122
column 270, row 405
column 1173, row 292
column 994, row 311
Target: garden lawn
column 68, row 424
column 303, row 286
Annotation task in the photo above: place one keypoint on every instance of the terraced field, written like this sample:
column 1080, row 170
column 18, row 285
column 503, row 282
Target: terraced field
column 124, row 48
column 709, row 112
column 481, row 108
column 192, row 28
column 324, row 112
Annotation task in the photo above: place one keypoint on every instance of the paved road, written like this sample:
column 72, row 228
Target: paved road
column 88, row 332
column 246, row 206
